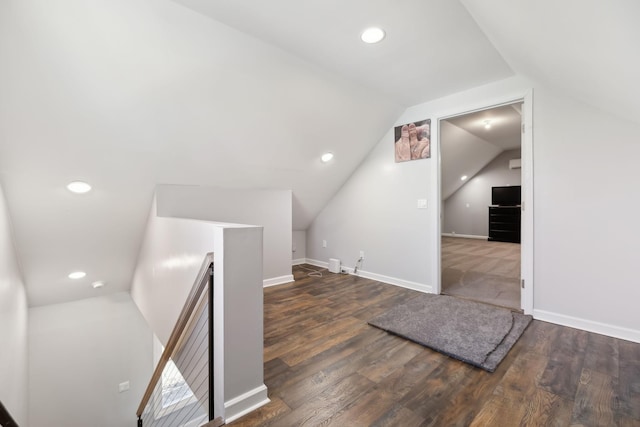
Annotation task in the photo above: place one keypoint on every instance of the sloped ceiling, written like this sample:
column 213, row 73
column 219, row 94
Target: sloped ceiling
column 504, row 123
column 587, row 49
column 433, row 47
column 467, row 146
column 461, row 153
column 127, row 94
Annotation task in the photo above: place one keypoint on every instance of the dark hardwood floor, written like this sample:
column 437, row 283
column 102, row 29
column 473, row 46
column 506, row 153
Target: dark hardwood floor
column 325, row 366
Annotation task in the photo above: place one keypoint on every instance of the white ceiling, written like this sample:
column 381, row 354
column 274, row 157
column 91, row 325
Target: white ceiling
column 433, row 47
column 467, row 146
column 588, row 49
column 505, row 123
column 128, row 94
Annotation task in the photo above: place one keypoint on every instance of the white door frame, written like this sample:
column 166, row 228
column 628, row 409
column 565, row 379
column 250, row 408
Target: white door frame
column 527, row 244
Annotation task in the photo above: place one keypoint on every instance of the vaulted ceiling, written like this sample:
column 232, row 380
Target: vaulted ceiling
column 127, row 94
column 587, row 49
column 469, row 142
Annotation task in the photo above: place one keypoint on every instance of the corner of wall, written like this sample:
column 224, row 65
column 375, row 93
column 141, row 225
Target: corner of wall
column 14, row 324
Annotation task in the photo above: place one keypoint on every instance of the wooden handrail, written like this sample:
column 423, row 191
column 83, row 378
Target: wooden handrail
column 178, row 330
column 5, row 417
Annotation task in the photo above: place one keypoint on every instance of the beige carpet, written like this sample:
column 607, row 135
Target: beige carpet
column 481, row 271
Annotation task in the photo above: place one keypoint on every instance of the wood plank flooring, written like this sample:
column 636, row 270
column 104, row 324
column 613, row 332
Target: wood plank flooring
column 325, row 366
column 482, row 271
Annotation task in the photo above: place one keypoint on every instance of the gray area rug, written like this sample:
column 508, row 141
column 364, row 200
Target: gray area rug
column 476, row 333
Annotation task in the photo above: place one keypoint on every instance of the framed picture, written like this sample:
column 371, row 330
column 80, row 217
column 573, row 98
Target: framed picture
column 412, row 141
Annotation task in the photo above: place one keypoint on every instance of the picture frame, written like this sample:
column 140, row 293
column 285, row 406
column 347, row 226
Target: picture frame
column 412, row 141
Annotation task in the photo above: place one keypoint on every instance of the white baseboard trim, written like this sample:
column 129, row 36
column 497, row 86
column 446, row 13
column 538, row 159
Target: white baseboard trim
column 588, row 325
column 316, row 263
column 379, row 277
column 394, row 281
column 465, row 236
column 298, row 261
column 274, row 281
column 245, row 403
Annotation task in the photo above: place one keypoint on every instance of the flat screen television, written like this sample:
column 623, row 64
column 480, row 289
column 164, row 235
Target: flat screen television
column 506, row 196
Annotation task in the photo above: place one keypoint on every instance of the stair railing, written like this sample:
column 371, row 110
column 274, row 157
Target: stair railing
column 186, row 364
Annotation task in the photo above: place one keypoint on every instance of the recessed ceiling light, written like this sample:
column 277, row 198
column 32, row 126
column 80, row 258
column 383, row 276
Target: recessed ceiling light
column 326, row 157
column 463, row 177
column 487, row 124
column 372, row 35
column 97, row 285
column 78, row 187
column 77, row 275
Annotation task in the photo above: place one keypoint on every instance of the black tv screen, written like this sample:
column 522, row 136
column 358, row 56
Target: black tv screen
column 505, row 196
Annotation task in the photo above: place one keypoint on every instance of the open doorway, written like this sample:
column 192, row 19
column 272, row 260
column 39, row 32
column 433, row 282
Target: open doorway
column 481, row 184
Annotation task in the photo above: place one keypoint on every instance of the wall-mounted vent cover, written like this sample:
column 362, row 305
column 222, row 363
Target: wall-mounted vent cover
column 515, row 163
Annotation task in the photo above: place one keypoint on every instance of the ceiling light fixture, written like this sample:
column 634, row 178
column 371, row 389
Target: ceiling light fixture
column 77, row 275
column 372, row 35
column 326, row 157
column 487, row 124
column 97, row 285
column 78, row 187
column 463, row 177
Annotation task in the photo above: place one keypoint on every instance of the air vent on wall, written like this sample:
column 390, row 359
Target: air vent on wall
column 515, row 163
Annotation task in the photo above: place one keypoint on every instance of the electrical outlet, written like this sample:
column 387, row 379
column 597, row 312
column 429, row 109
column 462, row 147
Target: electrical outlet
column 324, row 243
column 362, row 254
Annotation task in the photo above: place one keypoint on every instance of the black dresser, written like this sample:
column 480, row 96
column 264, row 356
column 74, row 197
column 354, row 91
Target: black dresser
column 504, row 224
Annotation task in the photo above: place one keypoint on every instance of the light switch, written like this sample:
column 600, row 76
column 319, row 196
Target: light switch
column 422, row 203
column 123, row 386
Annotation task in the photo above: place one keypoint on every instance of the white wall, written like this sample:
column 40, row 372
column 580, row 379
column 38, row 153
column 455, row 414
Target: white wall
column 585, row 226
column 461, row 153
column 299, row 246
column 13, row 324
column 79, row 353
column 586, row 216
column 238, row 322
column 376, row 209
column 172, row 253
column 271, row 209
column 466, row 211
